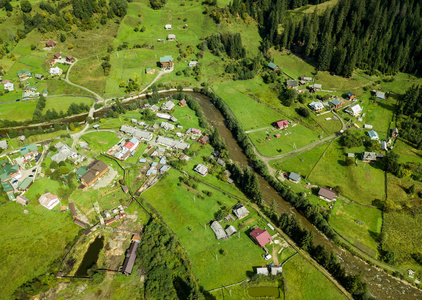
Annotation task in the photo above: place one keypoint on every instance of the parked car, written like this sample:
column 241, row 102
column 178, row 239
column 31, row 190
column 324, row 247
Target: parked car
column 31, row 176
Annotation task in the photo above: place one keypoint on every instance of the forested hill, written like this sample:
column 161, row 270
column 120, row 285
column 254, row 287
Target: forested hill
column 384, row 35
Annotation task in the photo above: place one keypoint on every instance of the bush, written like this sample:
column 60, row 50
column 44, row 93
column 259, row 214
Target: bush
column 304, row 112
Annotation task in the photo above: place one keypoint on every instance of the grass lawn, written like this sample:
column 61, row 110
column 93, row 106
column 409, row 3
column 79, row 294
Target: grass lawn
column 404, row 237
column 180, row 211
column 32, row 242
column 407, row 152
column 380, row 114
column 304, row 281
column 397, row 191
column 100, row 141
column 364, row 236
column 300, row 136
column 363, row 183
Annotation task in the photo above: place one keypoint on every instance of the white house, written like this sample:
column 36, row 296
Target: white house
column 9, row 86
column 354, row 110
column 167, row 106
column 316, row 105
column 56, row 71
column 168, row 26
column 49, row 200
column 192, row 63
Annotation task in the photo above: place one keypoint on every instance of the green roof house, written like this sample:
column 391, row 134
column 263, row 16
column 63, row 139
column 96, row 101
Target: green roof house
column 166, row 61
column 25, row 184
column 24, row 74
column 273, row 66
column 7, row 172
column 44, row 92
column 29, row 151
column 7, row 187
column 81, row 171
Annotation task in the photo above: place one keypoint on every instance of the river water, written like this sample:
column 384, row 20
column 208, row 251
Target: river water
column 381, row 285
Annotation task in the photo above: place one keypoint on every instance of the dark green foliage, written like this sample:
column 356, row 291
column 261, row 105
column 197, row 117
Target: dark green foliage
column 157, row 4
column 304, row 112
column 26, row 6
column 417, row 257
column 411, row 102
column 351, row 139
column 167, row 265
column 229, row 43
column 119, row 7
column 391, row 163
column 148, row 115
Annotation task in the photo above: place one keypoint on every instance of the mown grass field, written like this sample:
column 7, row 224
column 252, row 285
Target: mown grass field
column 303, row 281
column 398, row 191
column 406, row 152
column 364, row 236
column 31, row 242
column 363, row 183
column 181, row 210
column 100, row 141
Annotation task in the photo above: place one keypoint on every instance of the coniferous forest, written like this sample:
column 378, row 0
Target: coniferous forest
column 373, row 35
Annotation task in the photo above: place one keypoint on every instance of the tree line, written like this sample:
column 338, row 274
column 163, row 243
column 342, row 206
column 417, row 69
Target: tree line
column 52, row 114
column 410, row 115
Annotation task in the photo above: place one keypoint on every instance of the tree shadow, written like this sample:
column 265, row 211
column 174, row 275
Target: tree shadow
column 342, row 163
column 374, row 235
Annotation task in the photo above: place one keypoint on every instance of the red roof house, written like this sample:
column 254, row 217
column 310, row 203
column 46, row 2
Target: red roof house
column 262, row 237
column 282, row 124
column 129, row 145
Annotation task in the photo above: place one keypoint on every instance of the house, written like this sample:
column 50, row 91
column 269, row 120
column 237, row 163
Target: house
column 201, row 170
column 384, row 146
column 29, row 151
column 129, row 261
column 56, row 71
column 25, row 184
column 80, row 223
column 94, row 171
column 218, row 230
column 351, row 155
column 50, row 44
column 64, row 153
column 125, row 189
column 272, row 66
column 294, row 177
column 184, row 157
column 369, row 156
column 167, row 126
column 171, row 37
column 182, row 103
column 8, row 189
column 327, row 194
column 277, row 136
column 131, row 145
column 367, row 126
column 72, row 210
column 240, row 211
column 30, row 92
column 316, row 105
column 192, row 63
column 24, row 74
column 9, row 86
column 110, row 221
column 22, row 200
column 315, row 87
column 203, row 139
column 39, row 76
column 137, row 133
column 185, row 27
column 69, row 58
column 166, row 62
column 171, row 143
column 306, row 79
column 149, row 70
column 262, row 271
column 168, row 26
column 167, row 106
column 380, row 95
column 49, row 200
column 57, row 56
column 193, row 131
column 395, row 133
column 9, row 172
column 354, row 110
column 335, row 103
column 230, row 230
column 282, row 124
column 221, row 162
column 261, row 237
column 373, row 135
column 291, row 84
column 276, row 270
column 350, row 96
column 4, row 145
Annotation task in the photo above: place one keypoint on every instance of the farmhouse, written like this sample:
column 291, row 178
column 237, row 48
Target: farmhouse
column 64, row 153
column 4, row 145
column 166, row 62
column 9, row 86
column 22, row 200
column 50, row 44
column 131, row 256
column 240, row 211
column 56, row 71
column 203, row 139
column 69, row 58
column 354, row 110
column 94, row 171
column 327, row 194
column 230, row 230
column 294, row 177
column 335, row 103
column 306, row 79
column 282, row 124
column 369, row 156
column 25, row 184
column 171, row 37
column 182, row 103
column 373, row 135
column 201, row 170
column 262, row 271
column 261, row 237
column 218, row 230
column 316, row 105
column 57, row 56
column 315, row 87
column 49, row 200
column 29, row 151
column 171, row 143
column 39, row 76
column 168, row 26
column 350, row 96
column 272, row 66
column 192, row 63
column 167, row 106
column 291, row 84
column 24, row 74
